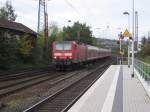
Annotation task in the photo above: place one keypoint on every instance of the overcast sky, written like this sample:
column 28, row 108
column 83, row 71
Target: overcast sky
column 99, row 14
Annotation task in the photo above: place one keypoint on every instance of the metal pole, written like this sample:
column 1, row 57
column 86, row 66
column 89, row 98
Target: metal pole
column 133, row 37
column 39, row 10
column 120, row 52
column 127, row 13
column 45, row 25
column 129, row 53
column 129, row 41
column 136, row 29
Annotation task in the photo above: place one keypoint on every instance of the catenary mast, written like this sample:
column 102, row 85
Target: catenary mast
column 43, row 20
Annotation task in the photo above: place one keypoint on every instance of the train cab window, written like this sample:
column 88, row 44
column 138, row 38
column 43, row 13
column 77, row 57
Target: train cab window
column 67, row 46
column 59, row 46
column 63, row 46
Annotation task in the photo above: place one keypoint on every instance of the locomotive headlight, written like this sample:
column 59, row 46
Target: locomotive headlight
column 68, row 54
column 70, row 57
column 55, row 57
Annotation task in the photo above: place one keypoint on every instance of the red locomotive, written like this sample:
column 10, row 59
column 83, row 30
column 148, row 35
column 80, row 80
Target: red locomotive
column 71, row 53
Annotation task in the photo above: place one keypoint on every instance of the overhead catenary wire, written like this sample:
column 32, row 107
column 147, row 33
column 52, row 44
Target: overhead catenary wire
column 72, row 7
column 89, row 10
column 87, row 7
column 75, row 9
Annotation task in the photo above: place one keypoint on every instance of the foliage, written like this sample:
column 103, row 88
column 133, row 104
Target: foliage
column 7, row 12
column 25, row 45
column 16, row 50
column 8, row 42
column 54, row 34
column 8, row 51
column 143, row 41
column 53, row 28
column 145, row 46
column 41, row 39
column 36, row 55
column 78, row 31
column 144, row 53
column 26, row 51
column 145, row 50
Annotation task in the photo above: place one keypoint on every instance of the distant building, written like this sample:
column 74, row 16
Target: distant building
column 18, row 30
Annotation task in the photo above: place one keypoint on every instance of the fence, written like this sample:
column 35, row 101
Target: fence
column 122, row 60
column 143, row 69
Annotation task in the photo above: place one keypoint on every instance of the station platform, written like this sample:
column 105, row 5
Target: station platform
column 115, row 91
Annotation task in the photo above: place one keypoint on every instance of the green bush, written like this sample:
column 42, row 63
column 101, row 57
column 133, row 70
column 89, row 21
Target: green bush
column 8, row 52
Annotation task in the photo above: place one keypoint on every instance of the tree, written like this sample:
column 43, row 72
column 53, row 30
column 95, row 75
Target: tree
column 78, row 31
column 8, row 51
column 146, row 49
column 54, row 33
column 8, row 46
column 143, row 41
column 53, row 28
column 25, row 45
column 148, row 40
column 7, row 12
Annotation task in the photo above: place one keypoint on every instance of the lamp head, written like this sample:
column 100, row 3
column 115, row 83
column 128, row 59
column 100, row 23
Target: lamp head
column 126, row 13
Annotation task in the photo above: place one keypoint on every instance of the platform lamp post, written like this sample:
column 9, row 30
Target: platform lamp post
column 128, row 14
column 133, row 37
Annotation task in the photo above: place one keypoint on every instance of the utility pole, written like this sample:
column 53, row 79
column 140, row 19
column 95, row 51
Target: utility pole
column 43, row 21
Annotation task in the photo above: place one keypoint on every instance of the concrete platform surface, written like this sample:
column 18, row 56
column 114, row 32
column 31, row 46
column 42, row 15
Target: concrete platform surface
column 135, row 98
column 115, row 91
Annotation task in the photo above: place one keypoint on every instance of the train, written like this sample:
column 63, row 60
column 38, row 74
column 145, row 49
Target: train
column 71, row 53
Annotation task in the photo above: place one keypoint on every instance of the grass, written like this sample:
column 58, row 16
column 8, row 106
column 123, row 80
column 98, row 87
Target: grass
column 146, row 70
column 145, row 59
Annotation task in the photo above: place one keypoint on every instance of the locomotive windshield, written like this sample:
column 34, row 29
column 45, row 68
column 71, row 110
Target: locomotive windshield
column 63, row 46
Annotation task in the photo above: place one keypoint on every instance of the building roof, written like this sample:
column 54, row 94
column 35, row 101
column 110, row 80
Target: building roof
column 16, row 26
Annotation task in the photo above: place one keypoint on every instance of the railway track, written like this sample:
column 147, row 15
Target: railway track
column 23, row 74
column 9, row 87
column 26, row 70
column 54, row 84
column 62, row 99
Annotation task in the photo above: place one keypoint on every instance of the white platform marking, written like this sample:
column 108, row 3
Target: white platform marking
column 108, row 104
